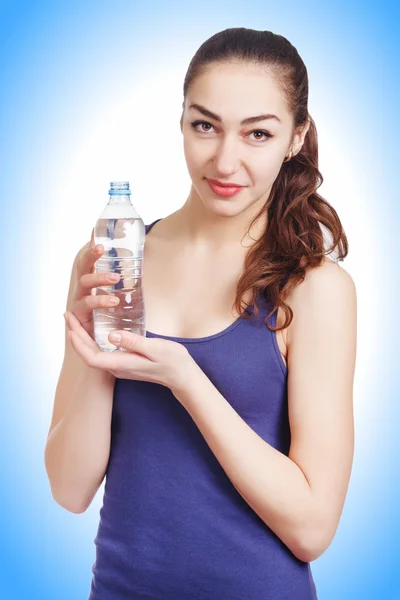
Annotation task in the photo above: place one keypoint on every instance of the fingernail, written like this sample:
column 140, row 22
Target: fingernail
column 115, row 337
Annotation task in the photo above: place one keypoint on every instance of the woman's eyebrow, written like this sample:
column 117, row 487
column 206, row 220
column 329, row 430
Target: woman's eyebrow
column 248, row 121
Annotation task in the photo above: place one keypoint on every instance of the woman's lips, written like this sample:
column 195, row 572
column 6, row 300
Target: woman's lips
column 224, row 191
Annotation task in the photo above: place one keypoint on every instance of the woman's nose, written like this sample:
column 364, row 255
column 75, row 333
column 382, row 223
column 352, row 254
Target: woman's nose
column 227, row 158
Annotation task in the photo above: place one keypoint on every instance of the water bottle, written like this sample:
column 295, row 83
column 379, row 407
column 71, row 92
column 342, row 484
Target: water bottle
column 121, row 231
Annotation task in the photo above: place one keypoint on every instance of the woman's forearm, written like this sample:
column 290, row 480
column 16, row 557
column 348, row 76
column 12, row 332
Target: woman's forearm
column 270, row 482
column 77, row 449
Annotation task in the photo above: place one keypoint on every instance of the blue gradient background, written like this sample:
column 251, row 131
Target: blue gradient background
column 71, row 74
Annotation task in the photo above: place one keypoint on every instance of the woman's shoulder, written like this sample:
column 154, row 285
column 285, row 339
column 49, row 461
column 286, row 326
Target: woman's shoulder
column 325, row 290
column 328, row 273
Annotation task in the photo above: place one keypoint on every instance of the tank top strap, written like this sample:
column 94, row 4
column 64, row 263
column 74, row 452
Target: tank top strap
column 263, row 311
column 150, row 225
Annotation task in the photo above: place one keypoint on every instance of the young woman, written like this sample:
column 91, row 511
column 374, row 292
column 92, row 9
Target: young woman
column 226, row 434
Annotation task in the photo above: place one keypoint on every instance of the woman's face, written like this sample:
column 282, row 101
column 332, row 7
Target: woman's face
column 248, row 154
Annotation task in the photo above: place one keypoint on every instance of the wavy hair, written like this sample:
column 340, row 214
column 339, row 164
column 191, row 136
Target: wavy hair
column 297, row 215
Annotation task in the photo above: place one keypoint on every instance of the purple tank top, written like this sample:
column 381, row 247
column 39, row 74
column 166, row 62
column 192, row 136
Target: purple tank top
column 172, row 525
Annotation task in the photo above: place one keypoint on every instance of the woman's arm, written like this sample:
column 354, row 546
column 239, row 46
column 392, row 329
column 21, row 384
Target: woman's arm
column 300, row 496
column 78, row 447
column 78, row 444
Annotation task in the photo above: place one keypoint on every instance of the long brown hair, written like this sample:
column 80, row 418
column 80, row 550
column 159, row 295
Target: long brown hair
column 293, row 241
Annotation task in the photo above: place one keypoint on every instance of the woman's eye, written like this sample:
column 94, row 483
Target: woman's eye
column 266, row 135
column 195, row 125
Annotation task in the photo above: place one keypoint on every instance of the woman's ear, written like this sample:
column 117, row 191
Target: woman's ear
column 299, row 138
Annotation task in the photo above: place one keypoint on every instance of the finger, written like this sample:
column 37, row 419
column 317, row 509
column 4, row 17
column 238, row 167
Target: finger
column 76, row 340
column 88, row 259
column 93, row 356
column 89, row 302
column 90, row 256
column 87, row 348
column 80, row 332
column 92, row 280
column 81, row 348
column 132, row 342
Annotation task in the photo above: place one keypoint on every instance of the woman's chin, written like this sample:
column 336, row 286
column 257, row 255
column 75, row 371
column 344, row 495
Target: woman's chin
column 220, row 209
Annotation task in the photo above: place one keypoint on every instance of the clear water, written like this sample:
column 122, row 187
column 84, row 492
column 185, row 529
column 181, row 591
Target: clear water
column 123, row 242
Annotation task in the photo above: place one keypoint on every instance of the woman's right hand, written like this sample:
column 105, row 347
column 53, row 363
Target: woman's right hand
column 85, row 299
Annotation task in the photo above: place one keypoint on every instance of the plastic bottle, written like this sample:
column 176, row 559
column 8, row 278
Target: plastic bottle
column 121, row 231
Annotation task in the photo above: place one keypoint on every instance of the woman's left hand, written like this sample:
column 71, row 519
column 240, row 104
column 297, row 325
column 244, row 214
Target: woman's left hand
column 145, row 359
